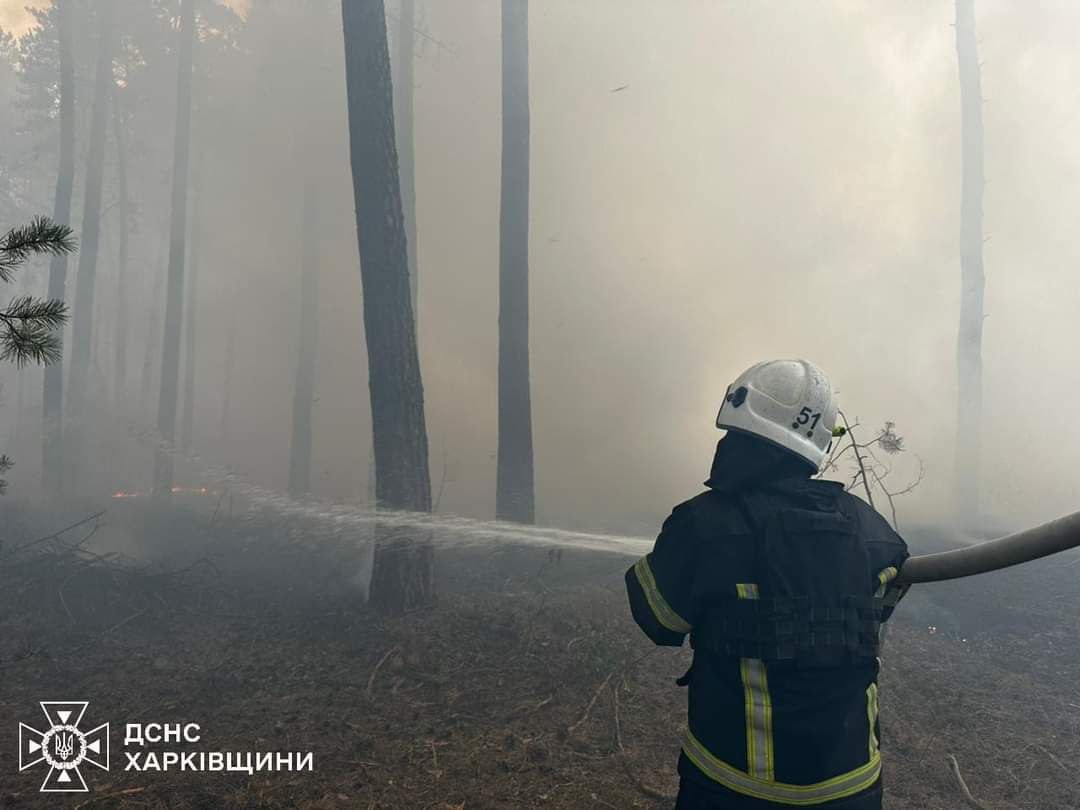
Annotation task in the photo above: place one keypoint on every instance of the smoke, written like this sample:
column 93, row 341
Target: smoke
column 772, row 179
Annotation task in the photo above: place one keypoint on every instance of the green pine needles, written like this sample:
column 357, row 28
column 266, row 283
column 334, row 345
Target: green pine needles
column 29, row 326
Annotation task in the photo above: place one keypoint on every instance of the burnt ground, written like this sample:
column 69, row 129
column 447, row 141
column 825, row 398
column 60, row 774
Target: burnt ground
column 526, row 686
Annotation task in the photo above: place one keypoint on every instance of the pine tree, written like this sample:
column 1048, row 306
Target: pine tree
column 514, row 499
column 403, row 575
column 174, row 291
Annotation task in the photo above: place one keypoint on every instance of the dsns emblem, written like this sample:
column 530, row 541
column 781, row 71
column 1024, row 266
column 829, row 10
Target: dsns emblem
column 64, row 747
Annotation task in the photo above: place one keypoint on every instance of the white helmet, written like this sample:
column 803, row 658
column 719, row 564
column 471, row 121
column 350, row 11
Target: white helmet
column 787, row 402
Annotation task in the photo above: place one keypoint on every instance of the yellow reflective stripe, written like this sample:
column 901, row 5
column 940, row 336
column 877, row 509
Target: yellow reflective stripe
column 663, row 612
column 747, row 590
column 885, row 576
column 758, row 704
column 871, row 716
column 846, row 784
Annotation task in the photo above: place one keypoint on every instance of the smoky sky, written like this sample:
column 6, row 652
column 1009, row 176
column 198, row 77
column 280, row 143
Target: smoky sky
column 772, row 179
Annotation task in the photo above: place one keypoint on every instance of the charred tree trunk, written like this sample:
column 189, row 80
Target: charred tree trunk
column 174, row 288
column 514, row 475
column 304, row 390
column 52, row 466
column 969, row 343
column 86, row 275
column 403, row 107
column 124, row 215
column 403, row 569
column 187, row 418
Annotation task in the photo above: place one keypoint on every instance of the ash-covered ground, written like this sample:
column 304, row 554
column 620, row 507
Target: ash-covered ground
column 526, row 686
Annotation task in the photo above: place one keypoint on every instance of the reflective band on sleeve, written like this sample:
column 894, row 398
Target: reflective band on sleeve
column 758, row 704
column 747, row 590
column 884, row 577
column 838, row 787
column 871, row 716
column 660, row 608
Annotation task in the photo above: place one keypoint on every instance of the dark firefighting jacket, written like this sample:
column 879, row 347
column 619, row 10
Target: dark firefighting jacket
column 782, row 583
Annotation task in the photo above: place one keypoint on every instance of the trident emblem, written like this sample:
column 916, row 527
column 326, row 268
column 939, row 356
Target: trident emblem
column 65, row 744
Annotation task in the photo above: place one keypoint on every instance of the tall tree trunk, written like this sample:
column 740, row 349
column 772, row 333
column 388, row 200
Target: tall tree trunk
column 86, row 276
column 403, row 575
column 174, row 288
column 403, row 107
column 188, row 416
column 52, row 465
column 514, row 475
column 153, row 323
column 124, row 215
column 227, row 386
column 304, row 390
column 969, row 343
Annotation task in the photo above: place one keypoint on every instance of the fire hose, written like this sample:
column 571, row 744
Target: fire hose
column 1013, row 549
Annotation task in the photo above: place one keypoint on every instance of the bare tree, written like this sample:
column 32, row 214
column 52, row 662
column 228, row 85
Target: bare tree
column 304, row 388
column 174, row 292
column 403, row 568
column 153, row 319
column 122, row 280
column 187, row 418
column 86, row 275
column 972, row 281
column 514, row 498
column 871, row 471
column 403, row 108
column 52, row 463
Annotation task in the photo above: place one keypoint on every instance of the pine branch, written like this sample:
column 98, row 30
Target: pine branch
column 42, row 235
column 29, row 330
column 48, row 312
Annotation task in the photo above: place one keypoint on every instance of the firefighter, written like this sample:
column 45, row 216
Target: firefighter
column 782, row 582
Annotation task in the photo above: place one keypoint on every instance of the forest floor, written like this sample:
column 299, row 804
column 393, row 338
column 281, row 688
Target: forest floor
column 526, row 686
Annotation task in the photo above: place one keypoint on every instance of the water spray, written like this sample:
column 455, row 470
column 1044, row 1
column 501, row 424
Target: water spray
column 1040, row 541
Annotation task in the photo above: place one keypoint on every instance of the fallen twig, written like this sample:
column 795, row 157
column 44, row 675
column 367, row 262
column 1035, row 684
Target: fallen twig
column 54, row 535
column 1054, row 759
column 378, row 666
column 618, row 725
column 963, row 785
column 588, row 709
column 120, row 624
column 528, row 707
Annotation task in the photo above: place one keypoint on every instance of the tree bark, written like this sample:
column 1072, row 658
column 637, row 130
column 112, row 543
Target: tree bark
column 969, row 341
column 124, row 215
column 304, row 389
column 86, row 275
column 187, row 418
column 514, row 498
column 403, row 106
column 403, row 569
column 52, row 466
column 174, row 292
